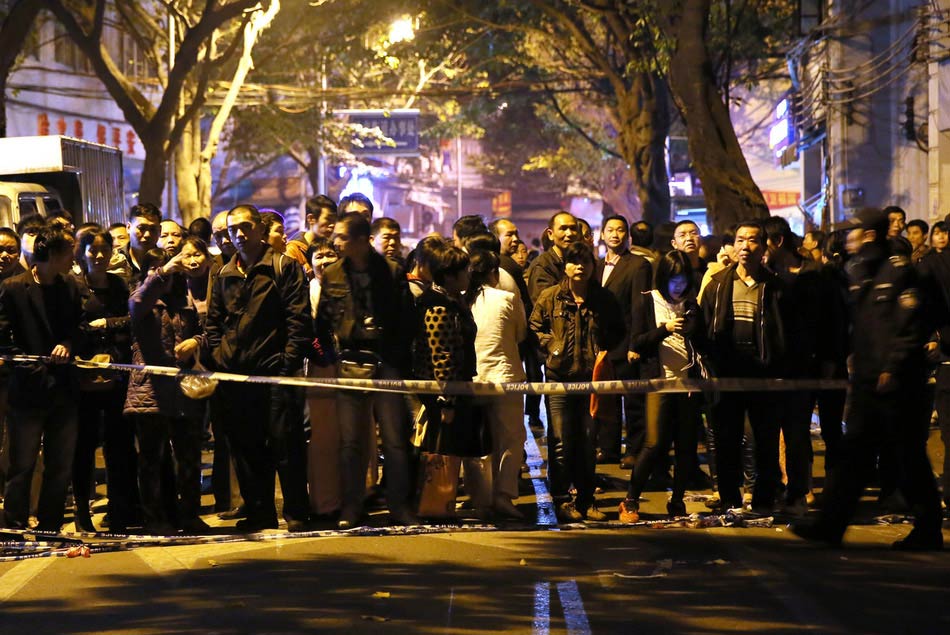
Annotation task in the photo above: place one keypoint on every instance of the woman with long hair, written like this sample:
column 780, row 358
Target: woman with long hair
column 501, row 328
column 104, row 330
column 665, row 325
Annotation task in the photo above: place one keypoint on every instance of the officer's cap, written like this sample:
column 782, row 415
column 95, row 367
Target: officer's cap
column 868, row 219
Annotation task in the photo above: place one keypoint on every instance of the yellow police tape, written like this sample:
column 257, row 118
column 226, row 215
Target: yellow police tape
column 482, row 389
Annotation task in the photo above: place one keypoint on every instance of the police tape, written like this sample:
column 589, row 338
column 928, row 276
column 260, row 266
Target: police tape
column 472, row 388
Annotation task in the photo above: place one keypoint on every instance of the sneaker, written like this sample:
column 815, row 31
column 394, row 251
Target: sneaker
column 567, row 513
column 629, row 512
column 595, row 515
column 676, row 508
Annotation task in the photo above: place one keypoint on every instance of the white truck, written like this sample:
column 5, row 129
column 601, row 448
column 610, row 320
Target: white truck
column 45, row 173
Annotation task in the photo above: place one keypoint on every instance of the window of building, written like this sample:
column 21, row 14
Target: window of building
column 66, row 52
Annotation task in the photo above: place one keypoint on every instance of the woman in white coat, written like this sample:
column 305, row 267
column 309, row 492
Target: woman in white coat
column 501, row 327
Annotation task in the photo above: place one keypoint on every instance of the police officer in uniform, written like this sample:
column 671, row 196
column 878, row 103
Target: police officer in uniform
column 889, row 403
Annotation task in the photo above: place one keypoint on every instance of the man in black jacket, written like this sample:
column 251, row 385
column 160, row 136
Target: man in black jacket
column 889, row 404
column 365, row 303
column 39, row 315
column 258, row 323
column 746, row 334
column 625, row 276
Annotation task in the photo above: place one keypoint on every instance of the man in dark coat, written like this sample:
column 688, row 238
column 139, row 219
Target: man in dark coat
column 39, row 315
column 259, row 323
column 624, row 275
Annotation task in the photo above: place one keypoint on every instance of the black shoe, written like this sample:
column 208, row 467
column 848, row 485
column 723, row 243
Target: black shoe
column 160, row 529
column 254, row 525
column 535, row 423
column 920, row 541
column 402, row 517
column 349, row 518
column 84, row 522
column 676, row 509
column 237, row 512
column 815, row 533
column 626, row 463
column 195, row 526
column 296, row 526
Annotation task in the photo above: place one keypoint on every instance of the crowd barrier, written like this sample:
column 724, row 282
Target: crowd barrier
column 481, row 389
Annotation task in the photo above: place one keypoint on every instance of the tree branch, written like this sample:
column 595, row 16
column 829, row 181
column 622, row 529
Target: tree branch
column 577, row 127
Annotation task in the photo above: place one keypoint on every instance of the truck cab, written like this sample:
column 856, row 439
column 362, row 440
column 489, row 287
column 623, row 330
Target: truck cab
column 22, row 199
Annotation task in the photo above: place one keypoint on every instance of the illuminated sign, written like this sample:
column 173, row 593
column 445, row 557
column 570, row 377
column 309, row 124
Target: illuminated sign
column 401, row 126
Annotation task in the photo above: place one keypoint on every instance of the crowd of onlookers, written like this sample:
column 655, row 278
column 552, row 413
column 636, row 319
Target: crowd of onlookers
column 345, row 298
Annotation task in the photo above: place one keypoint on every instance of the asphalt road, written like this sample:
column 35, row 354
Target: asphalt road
column 478, row 579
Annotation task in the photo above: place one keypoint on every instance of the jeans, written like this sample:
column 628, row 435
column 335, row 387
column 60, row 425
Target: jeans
column 354, row 411
column 572, row 452
column 55, row 426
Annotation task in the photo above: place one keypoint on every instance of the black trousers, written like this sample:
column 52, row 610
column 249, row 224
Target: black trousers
column 671, row 420
column 942, row 399
column 264, row 428
column 54, row 425
column 102, row 412
column 728, row 421
column 154, row 432
column 899, row 420
column 794, row 411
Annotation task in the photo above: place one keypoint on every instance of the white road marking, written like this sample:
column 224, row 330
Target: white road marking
column 20, row 575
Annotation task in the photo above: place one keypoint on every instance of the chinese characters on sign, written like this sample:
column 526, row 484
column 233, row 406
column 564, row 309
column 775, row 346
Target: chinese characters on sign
column 401, row 126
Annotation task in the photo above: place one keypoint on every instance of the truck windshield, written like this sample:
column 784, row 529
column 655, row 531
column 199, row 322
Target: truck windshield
column 27, row 203
column 51, row 203
column 5, row 207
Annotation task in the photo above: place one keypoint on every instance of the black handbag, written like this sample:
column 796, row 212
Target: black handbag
column 469, row 434
column 354, row 364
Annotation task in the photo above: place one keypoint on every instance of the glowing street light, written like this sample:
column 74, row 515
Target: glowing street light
column 401, row 30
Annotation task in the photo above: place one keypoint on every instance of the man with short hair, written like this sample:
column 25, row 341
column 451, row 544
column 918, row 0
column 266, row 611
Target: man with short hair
column 144, row 229
column 625, row 276
column 259, row 323
column 896, row 220
column 357, row 202
column 222, row 240
column 546, row 270
column 687, row 239
column 39, row 315
column 28, row 229
column 9, row 254
column 120, row 235
column 741, row 306
column 365, row 303
column 507, row 234
column 641, row 241
column 319, row 221
column 385, row 234
column 917, row 231
column 170, row 237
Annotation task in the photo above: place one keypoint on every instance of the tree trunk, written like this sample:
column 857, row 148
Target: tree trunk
column 153, row 173
column 17, row 26
column 731, row 194
column 645, row 113
column 188, row 171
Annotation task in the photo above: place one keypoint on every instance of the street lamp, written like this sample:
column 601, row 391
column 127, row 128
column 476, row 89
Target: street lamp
column 402, row 30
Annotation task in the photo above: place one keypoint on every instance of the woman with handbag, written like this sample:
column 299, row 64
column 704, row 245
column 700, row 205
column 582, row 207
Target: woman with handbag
column 444, row 350
column 164, row 321
column 104, row 335
column 501, row 328
column 666, row 324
